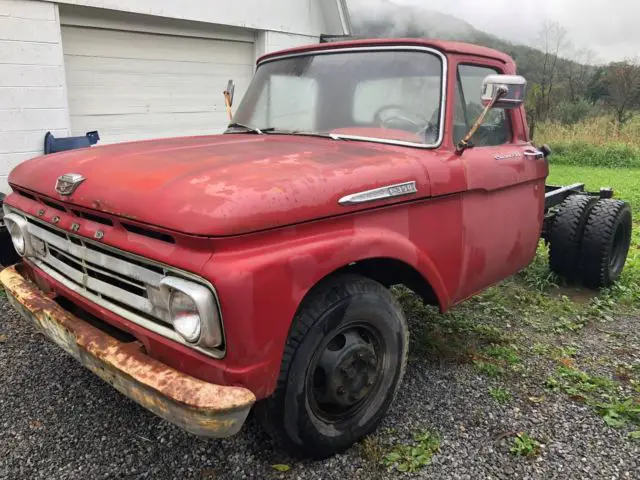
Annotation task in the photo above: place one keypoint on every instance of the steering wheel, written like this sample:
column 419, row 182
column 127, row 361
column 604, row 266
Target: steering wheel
column 399, row 118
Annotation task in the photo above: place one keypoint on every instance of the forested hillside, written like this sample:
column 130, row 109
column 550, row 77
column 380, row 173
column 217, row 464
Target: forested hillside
column 565, row 85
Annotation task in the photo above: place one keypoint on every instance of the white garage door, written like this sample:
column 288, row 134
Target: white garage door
column 132, row 85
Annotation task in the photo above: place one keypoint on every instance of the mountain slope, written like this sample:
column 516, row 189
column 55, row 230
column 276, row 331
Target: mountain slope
column 385, row 18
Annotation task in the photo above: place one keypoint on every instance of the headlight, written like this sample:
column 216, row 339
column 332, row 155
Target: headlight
column 185, row 316
column 193, row 311
column 17, row 227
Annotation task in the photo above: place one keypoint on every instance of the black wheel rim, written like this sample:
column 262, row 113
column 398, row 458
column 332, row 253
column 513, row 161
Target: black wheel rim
column 619, row 249
column 345, row 373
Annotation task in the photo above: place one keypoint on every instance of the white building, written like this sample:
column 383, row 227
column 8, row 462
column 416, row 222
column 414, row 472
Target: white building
column 136, row 69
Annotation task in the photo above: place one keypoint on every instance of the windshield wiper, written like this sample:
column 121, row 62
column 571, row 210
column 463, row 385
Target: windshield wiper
column 246, row 128
column 278, row 131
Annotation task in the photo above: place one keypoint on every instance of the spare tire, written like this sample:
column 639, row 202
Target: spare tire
column 605, row 243
column 565, row 235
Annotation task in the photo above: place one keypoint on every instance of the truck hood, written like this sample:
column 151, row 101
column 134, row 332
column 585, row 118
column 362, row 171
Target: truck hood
column 225, row 184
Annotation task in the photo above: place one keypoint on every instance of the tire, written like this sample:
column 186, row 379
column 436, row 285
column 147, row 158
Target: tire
column 565, row 235
column 343, row 362
column 605, row 243
column 8, row 254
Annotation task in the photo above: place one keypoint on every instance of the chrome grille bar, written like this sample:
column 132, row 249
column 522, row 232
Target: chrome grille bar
column 92, row 255
column 104, row 289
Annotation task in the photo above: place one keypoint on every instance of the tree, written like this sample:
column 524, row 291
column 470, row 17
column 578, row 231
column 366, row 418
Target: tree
column 578, row 72
column 552, row 40
column 596, row 87
column 622, row 81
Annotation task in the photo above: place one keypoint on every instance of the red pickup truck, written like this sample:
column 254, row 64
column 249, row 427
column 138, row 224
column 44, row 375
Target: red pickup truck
column 204, row 277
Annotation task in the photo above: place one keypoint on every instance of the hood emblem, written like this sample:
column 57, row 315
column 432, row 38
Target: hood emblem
column 388, row 191
column 67, row 183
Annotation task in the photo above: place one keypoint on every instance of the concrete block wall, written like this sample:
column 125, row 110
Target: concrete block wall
column 32, row 81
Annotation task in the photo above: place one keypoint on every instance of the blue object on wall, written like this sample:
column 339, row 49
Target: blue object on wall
column 53, row 144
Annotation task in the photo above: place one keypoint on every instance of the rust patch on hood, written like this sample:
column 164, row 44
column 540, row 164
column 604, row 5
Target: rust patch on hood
column 106, row 208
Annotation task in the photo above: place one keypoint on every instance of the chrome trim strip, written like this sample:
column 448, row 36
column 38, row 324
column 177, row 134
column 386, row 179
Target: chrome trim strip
column 338, row 50
column 388, row 191
column 142, row 274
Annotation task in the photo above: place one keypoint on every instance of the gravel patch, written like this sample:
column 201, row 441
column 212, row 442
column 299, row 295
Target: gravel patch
column 57, row 420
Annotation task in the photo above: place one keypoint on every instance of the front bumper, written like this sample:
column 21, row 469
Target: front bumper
column 198, row 407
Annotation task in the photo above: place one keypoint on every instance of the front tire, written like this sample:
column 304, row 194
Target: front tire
column 343, row 362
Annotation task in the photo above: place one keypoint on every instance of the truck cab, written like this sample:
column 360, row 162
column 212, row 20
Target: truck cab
column 206, row 276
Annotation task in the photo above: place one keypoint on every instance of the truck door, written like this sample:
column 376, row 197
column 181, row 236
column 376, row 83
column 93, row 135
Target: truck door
column 502, row 209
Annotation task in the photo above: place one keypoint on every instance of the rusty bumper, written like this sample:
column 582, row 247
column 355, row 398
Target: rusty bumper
column 198, row 407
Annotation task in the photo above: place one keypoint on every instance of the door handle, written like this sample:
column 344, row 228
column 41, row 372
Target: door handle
column 534, row 154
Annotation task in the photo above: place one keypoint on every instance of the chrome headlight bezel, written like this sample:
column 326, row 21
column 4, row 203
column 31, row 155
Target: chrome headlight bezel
column 206, row 305
column 17, row 225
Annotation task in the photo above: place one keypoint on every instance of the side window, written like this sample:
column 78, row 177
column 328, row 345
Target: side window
column 496, row 129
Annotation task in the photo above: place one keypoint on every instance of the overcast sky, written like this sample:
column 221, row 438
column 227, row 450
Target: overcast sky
column 611, row 28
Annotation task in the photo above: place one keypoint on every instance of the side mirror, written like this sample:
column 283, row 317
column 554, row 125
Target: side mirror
column 229, row 91
column 498, row 91
column 512, row 88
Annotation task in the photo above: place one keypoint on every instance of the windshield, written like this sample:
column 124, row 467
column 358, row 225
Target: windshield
column 389, row 95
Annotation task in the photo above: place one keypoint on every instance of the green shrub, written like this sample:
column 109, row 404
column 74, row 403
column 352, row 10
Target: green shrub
column 569, row 113
column 612, row 155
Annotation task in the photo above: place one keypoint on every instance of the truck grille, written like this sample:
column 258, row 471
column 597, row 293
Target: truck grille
column 88, row 268
column 125, row 284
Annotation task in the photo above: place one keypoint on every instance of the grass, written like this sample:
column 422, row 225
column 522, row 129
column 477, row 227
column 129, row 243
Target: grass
column 601, row 131
column 500, row 394
column 507, row 354
column 625, row 182
column 372, row 450
column 600, row 393
column 525, row 446
column 596, row 142
column 413, row 456
column 585, row 154
column 489, row 369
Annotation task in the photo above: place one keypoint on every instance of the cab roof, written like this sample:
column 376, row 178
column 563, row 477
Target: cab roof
column 441, row 45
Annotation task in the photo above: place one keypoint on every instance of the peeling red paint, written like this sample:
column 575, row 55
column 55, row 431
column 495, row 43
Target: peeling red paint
column 258, row 217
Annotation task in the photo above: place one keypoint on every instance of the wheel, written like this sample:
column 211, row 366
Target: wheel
column 343, row 362
column 605, row 243
column 565, row 235
column 8, row 254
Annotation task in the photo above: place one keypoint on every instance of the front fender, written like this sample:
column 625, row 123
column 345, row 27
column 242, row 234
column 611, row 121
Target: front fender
column 261, row 284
